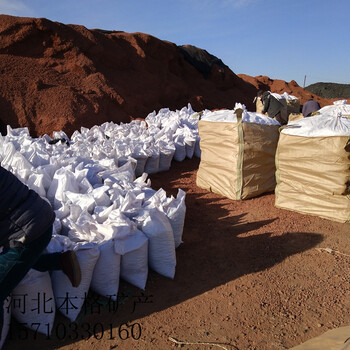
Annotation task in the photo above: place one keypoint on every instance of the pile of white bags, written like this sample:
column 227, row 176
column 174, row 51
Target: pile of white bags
column 105, row 207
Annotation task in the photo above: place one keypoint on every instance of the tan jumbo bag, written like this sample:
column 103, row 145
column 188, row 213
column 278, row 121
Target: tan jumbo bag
column 259, row 105
column 237, row 159
column 295, row 116
column 335, row 339
column 313, row 176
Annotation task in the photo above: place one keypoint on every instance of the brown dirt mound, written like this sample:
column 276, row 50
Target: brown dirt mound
column 280, row 86
column 61, row 77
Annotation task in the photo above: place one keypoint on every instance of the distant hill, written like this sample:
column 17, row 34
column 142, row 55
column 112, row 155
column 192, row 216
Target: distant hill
column 330, row 90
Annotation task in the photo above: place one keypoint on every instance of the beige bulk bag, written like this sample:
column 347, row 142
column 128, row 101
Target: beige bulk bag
column 313, row 172
column 334, row 339
column 238, row 158
column 258, row 104
column 295, row 116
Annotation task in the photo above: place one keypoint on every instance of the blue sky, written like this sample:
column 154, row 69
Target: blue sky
column 281, row 39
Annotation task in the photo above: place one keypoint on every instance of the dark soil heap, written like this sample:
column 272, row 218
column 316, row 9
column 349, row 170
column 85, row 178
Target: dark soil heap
column 330, row 90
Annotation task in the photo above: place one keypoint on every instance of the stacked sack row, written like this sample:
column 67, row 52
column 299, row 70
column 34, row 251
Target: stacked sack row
column 106, row 210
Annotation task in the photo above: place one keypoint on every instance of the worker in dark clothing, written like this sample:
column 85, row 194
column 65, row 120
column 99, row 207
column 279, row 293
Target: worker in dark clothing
column 25, row 230
column 309, row 107
column 272, row 106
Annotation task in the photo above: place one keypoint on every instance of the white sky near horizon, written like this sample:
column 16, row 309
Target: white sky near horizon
column 281, row 39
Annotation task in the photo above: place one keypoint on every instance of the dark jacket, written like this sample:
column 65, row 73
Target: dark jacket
column 24, row 215
column 271, row 105
column 309, row 107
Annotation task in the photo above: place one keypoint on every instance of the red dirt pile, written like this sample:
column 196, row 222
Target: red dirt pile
column 262, row 82
column 61, row 77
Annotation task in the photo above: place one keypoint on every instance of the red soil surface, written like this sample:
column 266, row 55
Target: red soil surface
column 280, row 86
column 248, row 276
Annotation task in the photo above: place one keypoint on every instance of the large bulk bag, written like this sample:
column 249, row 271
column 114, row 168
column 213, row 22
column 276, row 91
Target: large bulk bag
column 258, row 104
column 238, row 155
column 334, row 339
column 340, row 106
column 312, row 167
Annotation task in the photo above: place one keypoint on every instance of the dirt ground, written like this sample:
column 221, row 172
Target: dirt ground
column 248, row 276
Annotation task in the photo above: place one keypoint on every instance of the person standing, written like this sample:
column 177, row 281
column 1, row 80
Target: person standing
column 26, row 222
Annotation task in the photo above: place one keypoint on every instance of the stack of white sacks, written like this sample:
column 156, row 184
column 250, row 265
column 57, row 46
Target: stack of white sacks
column 105, row 207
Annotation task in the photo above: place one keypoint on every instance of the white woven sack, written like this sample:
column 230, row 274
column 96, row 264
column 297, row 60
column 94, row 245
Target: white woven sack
column 63, row 180
column 197, row 149
column 180, row 151
column 105, row 278
column 190, row 146
column 134, row 258
column 69, row 300
column 165, row 158
column 140, row 165
column 36, row 182
column 39, row 306
column 161, row 248
column 176, row 213
column 124, row 173
column 152, row 164
column 6, row 321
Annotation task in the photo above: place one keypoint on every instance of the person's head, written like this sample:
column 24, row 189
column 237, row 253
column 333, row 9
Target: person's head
column 260, row 93
column 265, row 95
